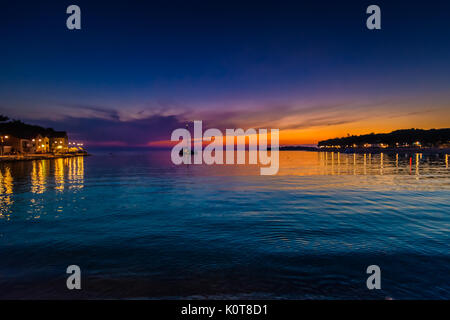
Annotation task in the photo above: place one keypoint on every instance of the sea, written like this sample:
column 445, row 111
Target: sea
column 140, row 227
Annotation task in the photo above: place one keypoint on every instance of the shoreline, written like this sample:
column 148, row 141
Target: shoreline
column 47, row 156
column 428, row 151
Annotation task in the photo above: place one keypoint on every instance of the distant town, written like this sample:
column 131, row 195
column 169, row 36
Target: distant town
column 403, row 141
column 433, row 138
column 21, row 141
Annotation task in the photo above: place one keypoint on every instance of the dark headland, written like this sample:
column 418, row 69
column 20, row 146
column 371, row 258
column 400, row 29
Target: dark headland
column 20, row 141
column 433, row 141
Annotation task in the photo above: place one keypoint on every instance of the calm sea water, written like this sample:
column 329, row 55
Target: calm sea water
column 140, row 227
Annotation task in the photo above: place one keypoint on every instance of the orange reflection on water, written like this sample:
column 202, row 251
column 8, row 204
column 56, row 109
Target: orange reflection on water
column 6, row 190
column 76, row 172
column 67, row 171
column 38, row 175
column 336, row 163
column 59, row 174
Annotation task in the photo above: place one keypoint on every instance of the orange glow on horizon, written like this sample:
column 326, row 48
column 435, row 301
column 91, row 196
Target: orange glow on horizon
column 312, row 136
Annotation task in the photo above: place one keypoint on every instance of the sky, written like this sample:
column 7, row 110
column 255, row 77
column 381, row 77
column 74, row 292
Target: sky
column 137, row 70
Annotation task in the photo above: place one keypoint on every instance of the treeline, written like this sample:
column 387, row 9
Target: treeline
column 20, row 129
column 398, row 138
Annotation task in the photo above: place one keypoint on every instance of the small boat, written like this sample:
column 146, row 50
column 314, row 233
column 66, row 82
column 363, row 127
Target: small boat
column 185, row 151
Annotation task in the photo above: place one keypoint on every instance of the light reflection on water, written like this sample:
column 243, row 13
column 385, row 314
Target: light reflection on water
column 143, row 227
column 334, row 163
column 6, row 190
column 69, row 172
column 37, row 176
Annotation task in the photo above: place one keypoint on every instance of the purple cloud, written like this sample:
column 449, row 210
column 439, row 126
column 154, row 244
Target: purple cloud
column 114, row 132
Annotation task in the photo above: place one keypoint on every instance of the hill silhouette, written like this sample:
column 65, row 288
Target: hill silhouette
column 405, row 137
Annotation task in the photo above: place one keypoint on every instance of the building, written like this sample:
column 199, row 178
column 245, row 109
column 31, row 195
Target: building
column 26, row 146
column 41, row 144
column 17, row 137
column 5, row 148
column 59, row 142
column 56, row 143
column 16, row 145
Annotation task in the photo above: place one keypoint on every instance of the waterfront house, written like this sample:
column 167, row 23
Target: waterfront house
column 59, row 142
column 26, row 146
column 41, row 144
column 17, row 137
column 16, row 145
column 56, row 143
column 4, row 144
